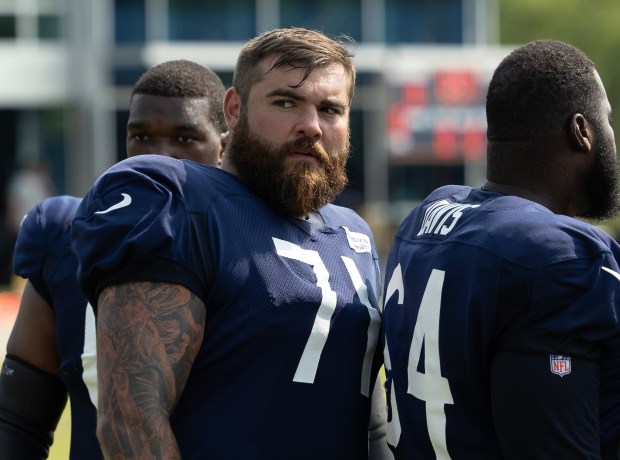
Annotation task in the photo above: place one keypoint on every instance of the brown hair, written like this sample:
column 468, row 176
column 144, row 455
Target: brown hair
column 294, row 47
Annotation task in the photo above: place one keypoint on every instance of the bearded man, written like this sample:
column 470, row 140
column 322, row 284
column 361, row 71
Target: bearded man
column 237, row 312
column 504, row 338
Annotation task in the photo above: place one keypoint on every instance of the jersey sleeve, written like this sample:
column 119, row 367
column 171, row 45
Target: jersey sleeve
column 132, row 226
column 561, row 360
column 610, row 403
column 42, row 239
column 572, row 307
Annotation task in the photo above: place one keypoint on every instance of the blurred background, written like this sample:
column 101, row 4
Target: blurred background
column 418, row 121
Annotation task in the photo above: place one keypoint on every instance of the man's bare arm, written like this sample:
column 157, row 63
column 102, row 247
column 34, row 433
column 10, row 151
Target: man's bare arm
column 33, row 337
column 148, row 335
column 32, row 396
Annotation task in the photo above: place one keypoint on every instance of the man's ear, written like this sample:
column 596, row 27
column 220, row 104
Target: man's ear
column 223, row 142
column 232, row 108
column 580, row 133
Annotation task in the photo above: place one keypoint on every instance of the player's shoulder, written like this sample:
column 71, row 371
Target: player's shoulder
column 208, row 180
column 525, row 230
column 339, row 216
column 146, row 168
column 44, row 233
column 161, row 166
column 158, row 172
column 60, row 208
column 51, row 216
column 454, row 193
column 507, row 225
column 447, row 196
column 527, row 223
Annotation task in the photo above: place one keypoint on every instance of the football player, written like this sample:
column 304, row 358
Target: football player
column 175, row 111
column 237, row 308
column 502, row 312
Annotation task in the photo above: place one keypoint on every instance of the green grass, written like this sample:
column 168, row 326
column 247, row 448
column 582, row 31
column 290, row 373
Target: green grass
column 62, row 437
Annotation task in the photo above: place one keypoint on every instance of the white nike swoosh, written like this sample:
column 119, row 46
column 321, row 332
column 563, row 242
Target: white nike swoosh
column 126, row 201
column 611, row 272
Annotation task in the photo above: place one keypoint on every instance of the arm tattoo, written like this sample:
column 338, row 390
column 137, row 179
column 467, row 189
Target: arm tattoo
column 148, row 335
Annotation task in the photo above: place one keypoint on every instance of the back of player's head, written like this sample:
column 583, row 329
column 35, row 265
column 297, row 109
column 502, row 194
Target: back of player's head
column 294, row 47
column 182, row 78
column 537, row 88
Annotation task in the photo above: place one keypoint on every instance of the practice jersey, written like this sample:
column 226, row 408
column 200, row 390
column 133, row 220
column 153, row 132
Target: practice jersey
column 43, row 255
column 501, row 325
column 289, row 355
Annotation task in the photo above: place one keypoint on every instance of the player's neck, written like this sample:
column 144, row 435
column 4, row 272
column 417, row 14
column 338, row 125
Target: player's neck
column 521, row 192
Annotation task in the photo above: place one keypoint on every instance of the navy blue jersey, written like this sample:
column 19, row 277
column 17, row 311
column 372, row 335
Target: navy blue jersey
column 289, row 354
column 501, row 322
column 43, row 256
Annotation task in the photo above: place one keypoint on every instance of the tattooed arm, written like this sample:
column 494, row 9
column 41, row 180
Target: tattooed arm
column 148, row 335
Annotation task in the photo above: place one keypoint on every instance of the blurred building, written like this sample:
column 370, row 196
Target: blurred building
column 418, row 116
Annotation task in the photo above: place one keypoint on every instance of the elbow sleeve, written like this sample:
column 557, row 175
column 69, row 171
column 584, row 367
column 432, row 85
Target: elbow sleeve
column 31, row 404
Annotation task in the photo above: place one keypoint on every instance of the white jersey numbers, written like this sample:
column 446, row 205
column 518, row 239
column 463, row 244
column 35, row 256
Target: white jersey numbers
column 430, row 386
column 373, row 326
column 427, row 385
column 394, row 286
column 309, row 362
column 89, row 355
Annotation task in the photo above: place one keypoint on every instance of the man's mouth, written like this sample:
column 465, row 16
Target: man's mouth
column 304, row 155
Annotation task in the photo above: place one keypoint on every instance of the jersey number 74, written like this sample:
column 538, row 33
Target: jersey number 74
column 309, row 361
column 429, row 386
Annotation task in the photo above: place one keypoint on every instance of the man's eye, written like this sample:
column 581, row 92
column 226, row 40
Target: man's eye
column 333, row 110
column 139, row 137
column 184, row 139
column 284, row 103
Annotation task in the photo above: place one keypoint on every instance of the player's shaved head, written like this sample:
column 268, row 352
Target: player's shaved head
column 186, row 79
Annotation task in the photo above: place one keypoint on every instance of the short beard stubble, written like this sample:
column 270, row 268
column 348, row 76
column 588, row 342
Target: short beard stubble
column 603, row 189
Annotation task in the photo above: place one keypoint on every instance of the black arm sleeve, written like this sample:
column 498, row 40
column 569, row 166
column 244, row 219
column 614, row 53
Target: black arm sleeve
column 31, row 404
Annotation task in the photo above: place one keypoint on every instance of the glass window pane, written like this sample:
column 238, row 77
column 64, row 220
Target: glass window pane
column 49, row 27
column 129, row 21
column 332, row 17
column 53, row 146
column 423, row 21
column 7, row 26
column 212, row 19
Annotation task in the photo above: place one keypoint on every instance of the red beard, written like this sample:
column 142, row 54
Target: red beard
column 294, row 188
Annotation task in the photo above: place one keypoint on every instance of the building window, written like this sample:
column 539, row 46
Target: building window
column 212, row 20
column 7, row 27
column 423, row 21
column 49, row 27
column 332, row 17
column 129, row 20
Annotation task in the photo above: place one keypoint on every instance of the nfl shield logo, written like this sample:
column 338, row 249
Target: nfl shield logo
column 560, row 364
